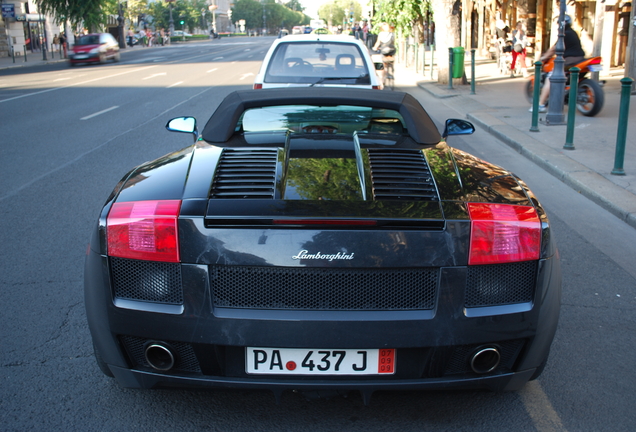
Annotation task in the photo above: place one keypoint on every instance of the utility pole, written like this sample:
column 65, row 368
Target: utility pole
column 630, row 56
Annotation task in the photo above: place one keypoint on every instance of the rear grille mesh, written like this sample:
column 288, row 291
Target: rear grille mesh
column 185, row 358
column 500, row 284
column 401, row 175
column 147, row 281
column 323, row 289
column 244, row 174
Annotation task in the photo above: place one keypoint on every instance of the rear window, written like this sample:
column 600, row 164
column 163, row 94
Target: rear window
column 88, row 40
column 317, row 62
column 310, row 119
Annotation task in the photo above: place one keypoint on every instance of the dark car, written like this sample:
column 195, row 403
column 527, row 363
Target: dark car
column 94, row 48
column 326, row 240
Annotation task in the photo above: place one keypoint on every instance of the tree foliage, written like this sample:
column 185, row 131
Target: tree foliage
column 276, row 15
column 405, row 15
column 90, row 13
column 339, row 11
column 191, row 12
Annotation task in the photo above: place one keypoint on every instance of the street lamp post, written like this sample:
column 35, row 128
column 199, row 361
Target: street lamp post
column 555, row 114
column 264, row 21
column 212, row 9
column 120, row 27
column 171, row 21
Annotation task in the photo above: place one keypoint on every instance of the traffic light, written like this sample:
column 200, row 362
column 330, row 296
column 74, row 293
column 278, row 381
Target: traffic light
column 181, row 22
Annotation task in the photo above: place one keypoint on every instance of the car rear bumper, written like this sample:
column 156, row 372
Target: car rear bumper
column 130, row 378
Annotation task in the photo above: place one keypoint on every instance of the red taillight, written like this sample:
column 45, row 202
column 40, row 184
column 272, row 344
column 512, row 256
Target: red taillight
column 257, row 86
column 502, row 233
column 595, row 60
column 375, row 87
column 144, row 230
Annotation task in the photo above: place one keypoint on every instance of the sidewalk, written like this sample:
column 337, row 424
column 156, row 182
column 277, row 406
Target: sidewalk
column 32, row 59
column 500, row 107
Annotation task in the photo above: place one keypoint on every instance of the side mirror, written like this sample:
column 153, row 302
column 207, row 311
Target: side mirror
column 458, row 127
column 379, row 66
column 183, row 124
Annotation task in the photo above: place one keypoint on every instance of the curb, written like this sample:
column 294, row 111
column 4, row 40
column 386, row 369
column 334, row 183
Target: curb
column 616, row 200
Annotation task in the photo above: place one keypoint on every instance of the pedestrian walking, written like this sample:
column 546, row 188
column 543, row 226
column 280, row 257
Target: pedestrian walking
column 519, row 44
column 55, row 46
column 62, row 39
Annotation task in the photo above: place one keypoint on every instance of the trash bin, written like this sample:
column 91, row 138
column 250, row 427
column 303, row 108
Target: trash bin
column 458, row 62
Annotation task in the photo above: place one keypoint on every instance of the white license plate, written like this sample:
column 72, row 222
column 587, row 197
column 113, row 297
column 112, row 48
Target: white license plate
column 290, row 361
column 81, row 57
column 595, row 68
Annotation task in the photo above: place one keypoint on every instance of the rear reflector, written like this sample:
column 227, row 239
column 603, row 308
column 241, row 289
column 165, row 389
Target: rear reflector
column 257, row 86
column 502, row 233
column 144, row 230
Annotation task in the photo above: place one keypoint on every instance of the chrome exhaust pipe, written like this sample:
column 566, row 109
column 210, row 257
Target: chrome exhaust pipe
column 159, row 357
column 485, row 359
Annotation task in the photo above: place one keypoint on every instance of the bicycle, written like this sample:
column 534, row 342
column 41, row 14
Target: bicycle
column 389, row 80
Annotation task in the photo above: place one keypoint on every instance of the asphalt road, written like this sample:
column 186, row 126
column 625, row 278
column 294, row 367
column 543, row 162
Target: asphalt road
column 68, row 136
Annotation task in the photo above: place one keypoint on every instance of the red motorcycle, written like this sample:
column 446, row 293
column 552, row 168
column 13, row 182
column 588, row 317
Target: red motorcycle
column 590, row 96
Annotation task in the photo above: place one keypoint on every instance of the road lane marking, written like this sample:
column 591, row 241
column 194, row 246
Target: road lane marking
column 80, row 156
column 212, row 70
column 245, row 75
column 155, row 75
column 175, row 84
column 61, row 79
column 538, row 406
column 75, row 84
column 217, row 58
column 100, row 112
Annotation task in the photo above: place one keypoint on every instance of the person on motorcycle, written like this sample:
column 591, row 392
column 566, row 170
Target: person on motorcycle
column 572, row 55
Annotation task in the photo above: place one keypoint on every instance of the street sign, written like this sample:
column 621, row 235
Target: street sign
column 8, row 10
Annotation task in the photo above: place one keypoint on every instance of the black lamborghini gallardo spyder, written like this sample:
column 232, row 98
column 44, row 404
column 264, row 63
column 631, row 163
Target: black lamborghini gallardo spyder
column 322, row 240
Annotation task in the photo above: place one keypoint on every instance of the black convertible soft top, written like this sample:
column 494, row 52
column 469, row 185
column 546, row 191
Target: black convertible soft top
column 220, row 127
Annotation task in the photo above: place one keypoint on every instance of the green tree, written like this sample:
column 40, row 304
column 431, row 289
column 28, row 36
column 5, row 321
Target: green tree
column 276, row 15
column 89, row 13
column 135, row 8
column 408, row 17
column 249, row 10
column 339, row 11
column 405, row 15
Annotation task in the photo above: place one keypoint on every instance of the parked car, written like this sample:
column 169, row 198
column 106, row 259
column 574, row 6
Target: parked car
column 322, row 240
column 94, row 48
column 318, row 60
column 181, row 33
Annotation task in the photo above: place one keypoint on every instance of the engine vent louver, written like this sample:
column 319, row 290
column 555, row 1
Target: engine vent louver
column 401, row 175
column 245, row 174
